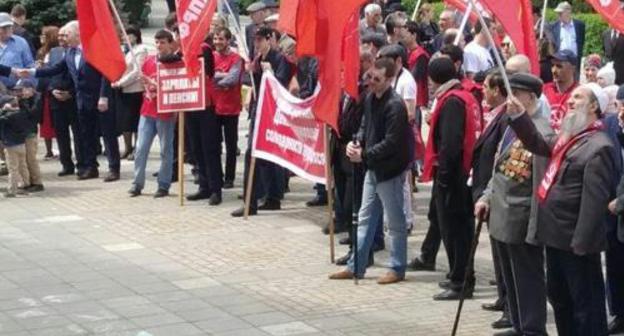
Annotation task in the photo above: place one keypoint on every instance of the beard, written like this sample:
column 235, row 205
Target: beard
column 576, row 120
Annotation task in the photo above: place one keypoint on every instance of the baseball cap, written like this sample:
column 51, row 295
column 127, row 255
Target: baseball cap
column 5, row 20
column 566, row 56
column 563, row 6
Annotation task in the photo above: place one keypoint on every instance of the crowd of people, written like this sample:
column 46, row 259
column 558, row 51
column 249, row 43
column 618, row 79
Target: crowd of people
column 540, row 163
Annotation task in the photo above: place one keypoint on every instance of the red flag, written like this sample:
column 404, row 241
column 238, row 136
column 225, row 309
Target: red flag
column 100, row 43
column 321, row 32
column 611, row 11
column 516, row 16
column 194, row 18
column 288, row 16
column 351, row 55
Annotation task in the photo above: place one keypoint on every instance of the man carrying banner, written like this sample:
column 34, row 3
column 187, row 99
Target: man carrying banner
column 379, row 146
column 573, row 198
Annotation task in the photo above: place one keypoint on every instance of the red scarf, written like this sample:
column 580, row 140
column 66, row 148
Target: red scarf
column 558, row 153
column 470, row 128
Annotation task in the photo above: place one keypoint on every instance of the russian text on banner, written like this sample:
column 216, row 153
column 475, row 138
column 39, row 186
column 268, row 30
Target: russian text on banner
column 178, row 91
column 287, row 133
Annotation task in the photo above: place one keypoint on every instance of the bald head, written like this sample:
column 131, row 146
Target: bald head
column 518, row 64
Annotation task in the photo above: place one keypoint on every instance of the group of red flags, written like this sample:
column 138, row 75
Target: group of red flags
column 325, row 29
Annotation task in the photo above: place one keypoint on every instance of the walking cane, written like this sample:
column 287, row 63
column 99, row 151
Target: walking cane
column 354, row 218
column 469, row 269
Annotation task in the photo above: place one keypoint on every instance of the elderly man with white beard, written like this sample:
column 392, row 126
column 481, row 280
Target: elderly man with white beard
column 573, row 198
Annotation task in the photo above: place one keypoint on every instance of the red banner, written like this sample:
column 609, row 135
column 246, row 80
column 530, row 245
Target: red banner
column 194, row 19
column 611, row 11
column 178, row 91
column 287, row 133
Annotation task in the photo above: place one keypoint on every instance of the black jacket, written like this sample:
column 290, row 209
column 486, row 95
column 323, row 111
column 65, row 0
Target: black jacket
column 484, row 152
column 15, row 126
column 383, row 135
column 34, row 110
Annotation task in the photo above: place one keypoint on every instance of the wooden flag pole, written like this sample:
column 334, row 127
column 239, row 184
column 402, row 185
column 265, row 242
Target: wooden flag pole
column 181, row 128
column 543, row 23
column 330, row 196
column 462, row 26
column 250, row 181
column 415, row 13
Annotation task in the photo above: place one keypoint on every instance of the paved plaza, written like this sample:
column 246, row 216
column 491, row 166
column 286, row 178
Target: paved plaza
column 82, row 258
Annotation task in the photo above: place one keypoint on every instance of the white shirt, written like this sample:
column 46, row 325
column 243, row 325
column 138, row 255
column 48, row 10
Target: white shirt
column 405, row 85
column 567, row 37
column 477, row 58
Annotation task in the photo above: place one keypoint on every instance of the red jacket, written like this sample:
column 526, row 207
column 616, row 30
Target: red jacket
column 150, row 100
column 227, row 100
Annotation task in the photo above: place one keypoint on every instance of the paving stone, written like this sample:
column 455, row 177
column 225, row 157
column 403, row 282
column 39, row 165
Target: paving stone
column 292, row 328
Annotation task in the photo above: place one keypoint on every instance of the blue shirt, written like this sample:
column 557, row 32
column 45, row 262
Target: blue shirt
column 15, row 53
column 567, row 37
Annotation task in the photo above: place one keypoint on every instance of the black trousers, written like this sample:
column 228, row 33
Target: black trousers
column 202, row 128
column 576, row 292
column 522, row 269
column 456, row 229
column 88, row 126
column 615, row 275
column 431, row 245
column 65, row 120
column 171, row 5
column 108, row 127
column 500, row 282
column 345, row 180
column 228, row 133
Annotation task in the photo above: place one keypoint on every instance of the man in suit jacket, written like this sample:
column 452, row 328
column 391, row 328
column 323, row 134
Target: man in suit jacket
column 509, row 195
column 573, row 198
column 89, row 94
column 613, row 46
column 568, row 33
column 258, row 12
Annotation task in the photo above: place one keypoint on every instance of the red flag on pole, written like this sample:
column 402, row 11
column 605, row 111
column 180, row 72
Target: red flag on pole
column 288, row 17
column 611, row 11
column 194, row 19
column 351, row 55
column 321, row 33
column 100, row 42
column 516, row 17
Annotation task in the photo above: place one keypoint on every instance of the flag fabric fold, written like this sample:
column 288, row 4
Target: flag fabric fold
column 321, row 31
column 194, row 19
column 611, row 11
column 99, row 38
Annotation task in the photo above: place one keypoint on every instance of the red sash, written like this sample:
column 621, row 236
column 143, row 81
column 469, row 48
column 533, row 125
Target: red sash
column 470, row 132
column 559, row 152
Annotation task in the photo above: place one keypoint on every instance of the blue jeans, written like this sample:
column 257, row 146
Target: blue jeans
column 386, row 196
column 148, row 129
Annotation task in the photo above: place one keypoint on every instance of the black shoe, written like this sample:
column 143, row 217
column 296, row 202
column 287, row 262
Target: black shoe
column 510, row 332
column 451, row 294
column 34, row 188
column 161, row 193
column 345, row 241
column 379, row 247
column 228, row 184
column 200, row 195
column 112, row 176
column 616, row 326
column 155, row 174
column 134, row 191
column 65, row 172
column 502, row 323
column 419, row 265
column 215, row 199
column 445, row 284
column 240, row 212
column 317, row 201
column 342, row 261
column 89, row 174
column 497, row 305
column 338, row 228
column 270, row 205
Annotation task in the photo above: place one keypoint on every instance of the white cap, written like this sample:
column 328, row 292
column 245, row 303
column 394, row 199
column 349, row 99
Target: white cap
column 600, row 94
column 5, row 20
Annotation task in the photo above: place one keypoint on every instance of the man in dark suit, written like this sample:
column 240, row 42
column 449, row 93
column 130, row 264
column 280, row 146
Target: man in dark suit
column 509, row 196
column 613, row 47
column 89, row 93
column 257, row 12
column 568, row 33
column 615, row 237
column 63, row 108
column 573, row 198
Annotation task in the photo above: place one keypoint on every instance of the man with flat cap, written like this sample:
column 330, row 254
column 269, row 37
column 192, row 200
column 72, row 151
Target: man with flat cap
column 573, row 198
column 512, row 214
column 257, row 12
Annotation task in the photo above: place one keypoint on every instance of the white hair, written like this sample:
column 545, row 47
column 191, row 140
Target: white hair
column 372, row 8
column 72, row 27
